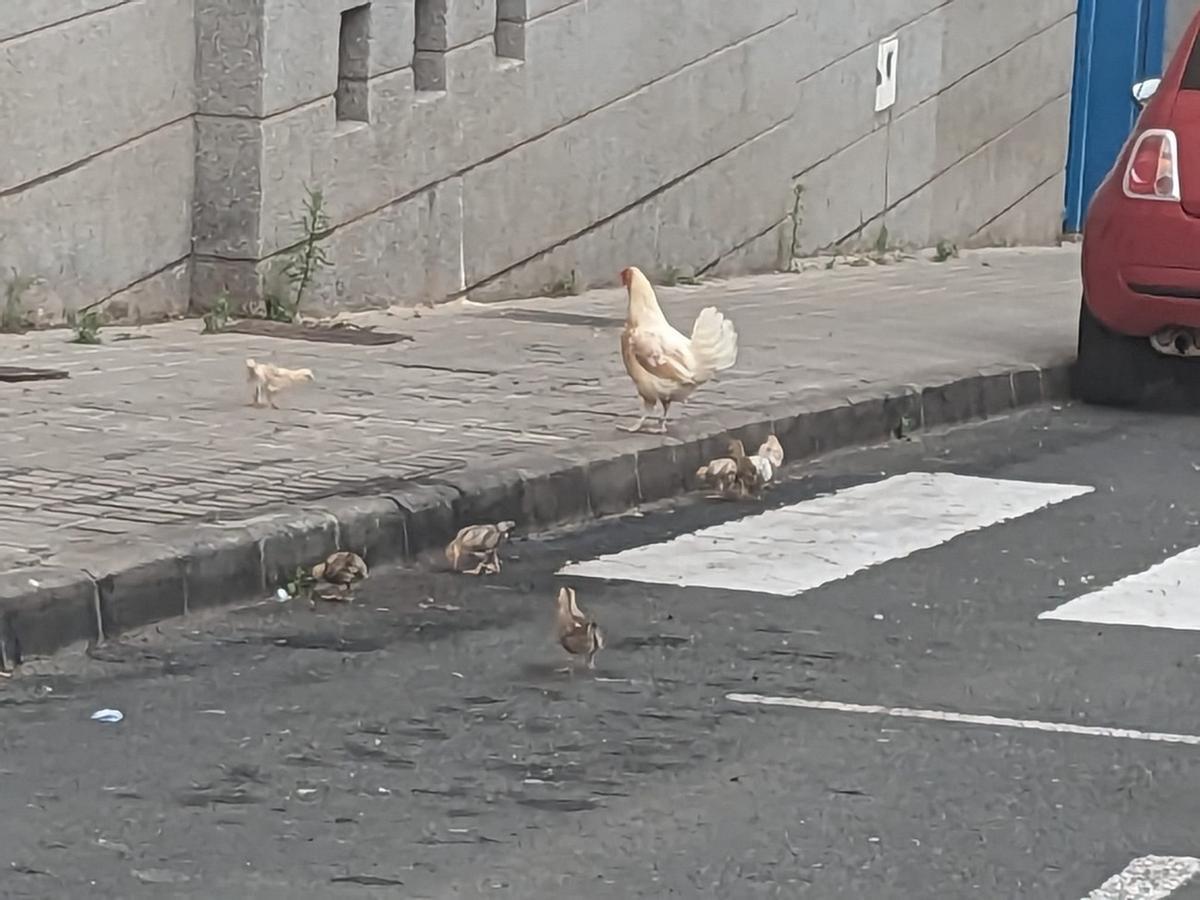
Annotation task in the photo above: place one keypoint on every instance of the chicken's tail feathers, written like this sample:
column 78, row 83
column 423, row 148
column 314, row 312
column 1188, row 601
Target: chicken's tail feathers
column 714, row 343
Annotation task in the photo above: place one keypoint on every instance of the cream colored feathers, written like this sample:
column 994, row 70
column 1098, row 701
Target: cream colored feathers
column 268, row 380
column 666, row 366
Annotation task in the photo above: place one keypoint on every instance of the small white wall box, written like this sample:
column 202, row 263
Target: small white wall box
column 885, row 73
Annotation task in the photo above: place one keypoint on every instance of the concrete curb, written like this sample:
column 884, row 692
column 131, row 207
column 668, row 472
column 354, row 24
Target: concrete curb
column 114, row 586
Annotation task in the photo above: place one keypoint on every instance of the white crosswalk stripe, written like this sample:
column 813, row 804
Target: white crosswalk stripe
column 958, row 718
column 1162, row 596
column 1149, row 878
column 796, row 548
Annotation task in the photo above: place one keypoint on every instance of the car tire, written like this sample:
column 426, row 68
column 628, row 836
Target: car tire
column 1113, row 369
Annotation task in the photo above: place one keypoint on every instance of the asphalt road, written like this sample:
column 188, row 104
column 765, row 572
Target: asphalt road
column 421, row 744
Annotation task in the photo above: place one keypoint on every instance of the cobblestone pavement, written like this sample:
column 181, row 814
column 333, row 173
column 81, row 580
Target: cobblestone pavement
column 153, row 427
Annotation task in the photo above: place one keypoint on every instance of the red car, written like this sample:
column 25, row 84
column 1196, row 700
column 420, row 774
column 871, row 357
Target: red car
column 1140, row 313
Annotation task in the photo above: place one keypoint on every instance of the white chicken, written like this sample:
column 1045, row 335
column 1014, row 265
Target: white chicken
column 665, row 365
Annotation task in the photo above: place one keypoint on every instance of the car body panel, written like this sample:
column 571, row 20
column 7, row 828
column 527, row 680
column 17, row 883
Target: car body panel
column 1140, row 263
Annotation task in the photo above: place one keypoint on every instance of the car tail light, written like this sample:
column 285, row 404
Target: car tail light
column 1153, row 170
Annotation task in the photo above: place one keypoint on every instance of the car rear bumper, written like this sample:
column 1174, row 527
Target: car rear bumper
column 1141, row 266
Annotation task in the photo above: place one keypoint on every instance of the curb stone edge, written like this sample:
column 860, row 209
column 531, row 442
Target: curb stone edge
column 112, row 586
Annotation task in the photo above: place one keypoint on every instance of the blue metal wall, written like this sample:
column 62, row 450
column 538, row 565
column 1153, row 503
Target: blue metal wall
column 1117, row 43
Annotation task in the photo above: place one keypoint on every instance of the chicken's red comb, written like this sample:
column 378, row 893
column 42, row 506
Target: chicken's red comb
column 626, row 276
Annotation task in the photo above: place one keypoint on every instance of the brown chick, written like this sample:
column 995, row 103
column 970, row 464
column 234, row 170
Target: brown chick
column 748, row 479
column 268, row 380
column 719, row 474
column 481, row 543
column 342, row 567
column 577, row 634
column 666, row 366
column 336, row 574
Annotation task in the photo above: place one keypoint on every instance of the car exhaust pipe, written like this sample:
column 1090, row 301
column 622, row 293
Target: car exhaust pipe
column 1177, row 341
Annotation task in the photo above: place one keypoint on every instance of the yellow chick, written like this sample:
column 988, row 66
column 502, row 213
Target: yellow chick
column 268, row 380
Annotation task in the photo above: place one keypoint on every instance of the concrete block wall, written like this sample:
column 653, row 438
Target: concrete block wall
column 96, row 154
column 973, row 150
column 496, row 147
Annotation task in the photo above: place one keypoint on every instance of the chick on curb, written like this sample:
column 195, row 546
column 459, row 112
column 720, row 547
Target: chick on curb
column 731, row 476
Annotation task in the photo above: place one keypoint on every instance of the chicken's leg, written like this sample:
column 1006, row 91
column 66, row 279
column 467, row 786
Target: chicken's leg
column 490, row 564
column 479, row 569
column 647, row 409
column 662, row 421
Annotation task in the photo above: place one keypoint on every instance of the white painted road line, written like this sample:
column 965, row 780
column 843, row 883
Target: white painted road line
column 1163, row 596
column 936, row 715
column 799, row 547
column 1148, row 878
